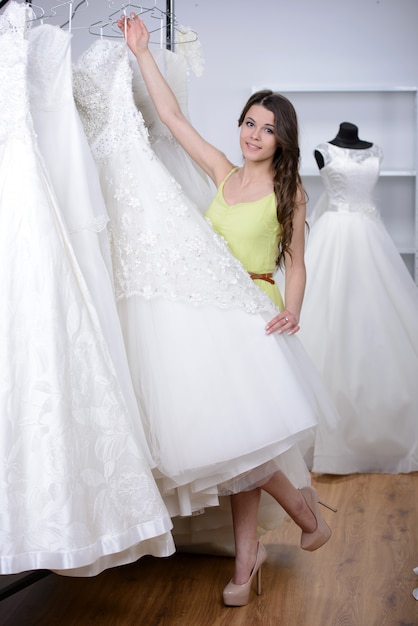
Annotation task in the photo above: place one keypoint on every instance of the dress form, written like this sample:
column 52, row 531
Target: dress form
column 358, row 320
column 347, row 137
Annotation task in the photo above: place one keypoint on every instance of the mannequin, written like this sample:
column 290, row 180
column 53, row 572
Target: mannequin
column 347, row 137
column 359, row 317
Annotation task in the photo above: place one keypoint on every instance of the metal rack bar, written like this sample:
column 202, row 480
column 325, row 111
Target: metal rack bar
column 22, row 583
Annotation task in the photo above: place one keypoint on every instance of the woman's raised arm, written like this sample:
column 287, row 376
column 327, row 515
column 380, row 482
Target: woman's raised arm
column 209, row 158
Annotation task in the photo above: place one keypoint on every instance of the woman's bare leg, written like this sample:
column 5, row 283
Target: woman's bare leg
column 244, row 517
column 290, row 498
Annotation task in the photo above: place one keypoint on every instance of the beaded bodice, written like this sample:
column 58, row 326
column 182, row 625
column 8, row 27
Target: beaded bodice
column 103, row 93
column 350, row 177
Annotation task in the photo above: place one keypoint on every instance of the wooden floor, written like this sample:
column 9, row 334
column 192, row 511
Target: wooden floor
column 362, row 577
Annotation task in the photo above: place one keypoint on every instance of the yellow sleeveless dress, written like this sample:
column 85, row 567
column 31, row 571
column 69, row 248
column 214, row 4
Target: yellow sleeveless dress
column 252, row 232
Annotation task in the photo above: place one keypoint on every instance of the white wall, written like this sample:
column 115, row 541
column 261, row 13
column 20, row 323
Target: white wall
column 288, row 43
column 294, row 42
column 271, row 43
column 284, row 44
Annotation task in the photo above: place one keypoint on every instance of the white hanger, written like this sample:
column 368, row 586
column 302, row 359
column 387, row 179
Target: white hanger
column 71, row 11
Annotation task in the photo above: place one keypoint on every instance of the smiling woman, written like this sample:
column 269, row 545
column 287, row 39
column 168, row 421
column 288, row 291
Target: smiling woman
column 259, row 209
column 195, row 326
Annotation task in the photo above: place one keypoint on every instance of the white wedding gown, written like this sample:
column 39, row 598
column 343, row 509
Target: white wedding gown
column 73, row 173
column 224, row 404
column 359, row 323
column 76, row 491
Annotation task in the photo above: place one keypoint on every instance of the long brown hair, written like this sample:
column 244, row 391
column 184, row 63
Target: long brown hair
column 286, row 160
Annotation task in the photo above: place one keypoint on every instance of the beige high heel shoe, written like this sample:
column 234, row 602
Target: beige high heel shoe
column 237, row 595
column 314, row 540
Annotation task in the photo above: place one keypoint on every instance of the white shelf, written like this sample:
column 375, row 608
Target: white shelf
column 406, row 250
column 404, row 173
column 338, row 89
column 385, row 173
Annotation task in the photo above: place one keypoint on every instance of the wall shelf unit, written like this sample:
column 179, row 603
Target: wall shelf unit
column 385, row 115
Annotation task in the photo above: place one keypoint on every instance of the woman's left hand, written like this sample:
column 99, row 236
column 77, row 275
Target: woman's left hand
column 284, row 322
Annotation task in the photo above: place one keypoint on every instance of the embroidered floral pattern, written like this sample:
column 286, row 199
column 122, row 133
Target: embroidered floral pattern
column 161, row 246
column 341, row 167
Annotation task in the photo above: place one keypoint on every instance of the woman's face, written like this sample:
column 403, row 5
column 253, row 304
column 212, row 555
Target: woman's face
column 257, row 139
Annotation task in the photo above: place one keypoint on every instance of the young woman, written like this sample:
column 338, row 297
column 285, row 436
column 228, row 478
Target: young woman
column 259, row 209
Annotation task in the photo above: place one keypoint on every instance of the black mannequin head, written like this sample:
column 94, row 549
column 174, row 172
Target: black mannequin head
column 347, row 137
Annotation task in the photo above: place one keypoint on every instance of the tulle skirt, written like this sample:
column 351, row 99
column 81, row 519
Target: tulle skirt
column 222, row 400
column 359, row 324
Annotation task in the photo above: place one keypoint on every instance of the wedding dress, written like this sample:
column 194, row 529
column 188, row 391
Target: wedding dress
column 224, row 404
column 73, row 173
column 359, row 322
column 76, row 491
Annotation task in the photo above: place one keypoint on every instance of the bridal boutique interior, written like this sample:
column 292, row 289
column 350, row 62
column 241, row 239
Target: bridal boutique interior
column 351, row 62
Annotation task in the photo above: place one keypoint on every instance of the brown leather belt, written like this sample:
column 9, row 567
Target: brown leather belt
column 267, row 277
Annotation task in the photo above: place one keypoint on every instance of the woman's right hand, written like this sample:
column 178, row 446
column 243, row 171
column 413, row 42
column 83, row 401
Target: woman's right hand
column 135, row 33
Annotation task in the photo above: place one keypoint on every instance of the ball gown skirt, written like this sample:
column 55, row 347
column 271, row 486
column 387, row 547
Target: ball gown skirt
column 359, row 323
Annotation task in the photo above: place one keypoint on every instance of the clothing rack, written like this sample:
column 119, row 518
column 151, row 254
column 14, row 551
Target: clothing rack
column 169, row 39
column 22, row 583
column 35, row 576
column 169, row 35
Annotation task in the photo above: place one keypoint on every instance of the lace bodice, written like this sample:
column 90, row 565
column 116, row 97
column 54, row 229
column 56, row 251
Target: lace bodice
column 161, row 245
column 350, row 177
column 14, row 118
column 102, row 85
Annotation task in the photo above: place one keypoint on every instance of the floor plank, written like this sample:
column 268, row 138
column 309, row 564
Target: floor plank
column 362, row 577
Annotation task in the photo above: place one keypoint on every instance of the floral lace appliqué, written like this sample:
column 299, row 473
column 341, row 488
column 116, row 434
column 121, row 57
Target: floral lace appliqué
column 161, row 246
column 350, row 177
